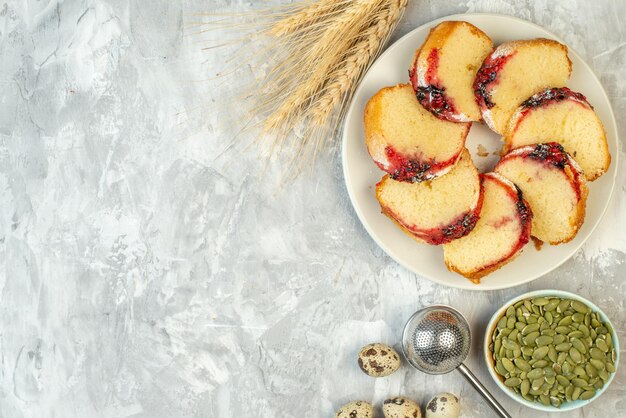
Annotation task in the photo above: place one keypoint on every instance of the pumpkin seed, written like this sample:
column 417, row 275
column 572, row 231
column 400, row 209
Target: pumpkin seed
column 566, row 368
column 512, row 382
column 575, row 334
column 510, row 311
column 508, row 365
column 561, row 329
column 524, row 387
column 522, row 364
column 583, row 328
column 579, row 371
column 579, row 382
column 591, row 371
column 562, row 380
column 575, row 355
column 540, row 353
column 579, row 307
column 602, row 345
column 563, row 305
column 530, row 328
column 531, row 338
column 540, row 364
column 565, row 322
column 562, row 347
column 509, row 344
column 537, row 383
column 500, row 368
column 596, row 353
column 510, row 322
column 588, row 394
column 579, row 345
column 576, row 393
column 543, row 340
column 551, row 305
column 604, row 375
column 502, row 323
column 610, row 367
column 558, row 339
column 535, row 374
column 549, row 318
column 527, row 351
column 552, row 354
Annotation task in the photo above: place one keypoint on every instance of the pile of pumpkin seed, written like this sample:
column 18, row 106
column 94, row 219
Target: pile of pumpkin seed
column 552, row 350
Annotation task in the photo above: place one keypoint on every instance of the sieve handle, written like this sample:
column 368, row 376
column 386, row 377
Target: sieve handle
column 483, row 391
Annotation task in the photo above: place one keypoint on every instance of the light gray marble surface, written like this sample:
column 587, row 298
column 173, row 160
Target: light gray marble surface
column 151, row 265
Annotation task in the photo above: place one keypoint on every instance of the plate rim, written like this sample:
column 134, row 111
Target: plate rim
column 465, row 285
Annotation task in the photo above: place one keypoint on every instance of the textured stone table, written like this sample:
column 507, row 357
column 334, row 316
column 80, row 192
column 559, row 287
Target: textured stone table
column 152, row 266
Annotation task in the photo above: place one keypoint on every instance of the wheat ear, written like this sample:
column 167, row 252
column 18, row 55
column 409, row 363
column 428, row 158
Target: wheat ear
column 308, row 14
column 357, row 59
column 339, row 35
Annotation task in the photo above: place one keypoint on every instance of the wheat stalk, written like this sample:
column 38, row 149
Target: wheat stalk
column 356, row 60
column 316, row 52
column 321, row 58
column 307, row 14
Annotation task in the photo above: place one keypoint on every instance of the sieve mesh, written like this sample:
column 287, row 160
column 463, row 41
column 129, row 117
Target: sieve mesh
column 436, row 339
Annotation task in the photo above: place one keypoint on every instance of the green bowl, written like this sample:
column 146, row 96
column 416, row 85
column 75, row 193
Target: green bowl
column 566, row 406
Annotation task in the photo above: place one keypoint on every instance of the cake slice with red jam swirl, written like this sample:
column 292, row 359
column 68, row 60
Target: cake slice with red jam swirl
column 499, row 236
column 554, row 186
column 436, row 211
column 515, row 71
column 444, row 69
column 562, row 115
column 407, row 141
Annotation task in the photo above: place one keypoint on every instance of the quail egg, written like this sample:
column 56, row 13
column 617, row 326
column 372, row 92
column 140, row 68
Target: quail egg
column 378, row 360
column 356, row 409
column 443, row 405
column 401, row 408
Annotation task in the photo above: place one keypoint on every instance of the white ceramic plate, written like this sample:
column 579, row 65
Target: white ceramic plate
column 361, row 174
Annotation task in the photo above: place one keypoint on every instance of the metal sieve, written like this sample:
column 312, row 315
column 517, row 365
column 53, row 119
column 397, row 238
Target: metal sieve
column 436, row 340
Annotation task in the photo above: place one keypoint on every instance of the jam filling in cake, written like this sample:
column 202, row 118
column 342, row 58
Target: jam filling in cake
column 487, row 76
column 456, row 229
column 403, row 168
column 433, row 96
column 552, row 153
column 546, row 98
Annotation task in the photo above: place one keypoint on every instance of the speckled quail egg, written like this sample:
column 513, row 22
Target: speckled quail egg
column 401, row 408
column 378, row 360
column 444, row 405
column 356, row 409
